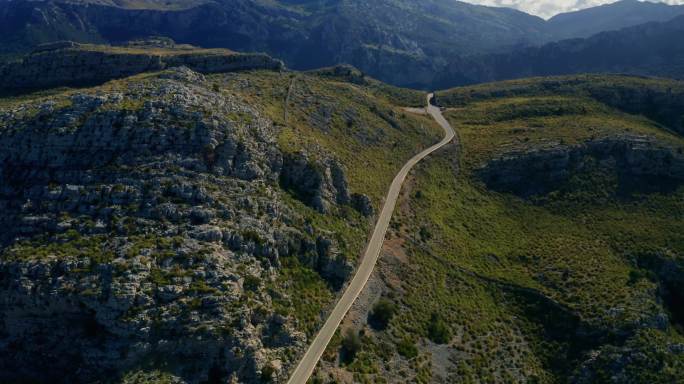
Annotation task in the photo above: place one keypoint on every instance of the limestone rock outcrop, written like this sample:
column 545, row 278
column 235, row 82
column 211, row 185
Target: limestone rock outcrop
column 145, row 222
column 320, row 183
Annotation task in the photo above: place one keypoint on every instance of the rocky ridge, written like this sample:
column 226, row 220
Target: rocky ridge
column 69, row 63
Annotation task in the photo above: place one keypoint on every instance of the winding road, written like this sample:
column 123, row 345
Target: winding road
column 307, row 364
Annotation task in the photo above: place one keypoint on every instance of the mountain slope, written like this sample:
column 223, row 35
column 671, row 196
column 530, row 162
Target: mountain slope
column 175, row 226
column 650, row 49
column 427, row 44
column 72, row 64
column 614, row 16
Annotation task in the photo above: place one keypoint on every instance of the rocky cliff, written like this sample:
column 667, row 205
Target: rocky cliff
column 640, row 163
column 69, row 63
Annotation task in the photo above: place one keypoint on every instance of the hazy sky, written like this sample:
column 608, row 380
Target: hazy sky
column 548, row 8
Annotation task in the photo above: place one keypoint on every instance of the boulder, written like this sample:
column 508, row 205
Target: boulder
column 362, row 203
column 317, row 183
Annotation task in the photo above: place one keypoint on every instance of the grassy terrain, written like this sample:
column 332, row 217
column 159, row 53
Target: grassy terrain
column 398, row 96
column 493, row 127
column 552, row 86
column 364, row 127
column 661, row 100
column 528, row 289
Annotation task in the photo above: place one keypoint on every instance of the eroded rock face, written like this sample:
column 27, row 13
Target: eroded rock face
column 136, row 222
column 320, row 183
column 637, row 161
column 331, row 262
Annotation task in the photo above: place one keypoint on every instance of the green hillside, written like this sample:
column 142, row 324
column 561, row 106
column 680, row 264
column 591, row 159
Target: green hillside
column 546, row 246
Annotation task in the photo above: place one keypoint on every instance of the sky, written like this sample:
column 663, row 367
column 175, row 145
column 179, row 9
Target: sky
column 548, row 8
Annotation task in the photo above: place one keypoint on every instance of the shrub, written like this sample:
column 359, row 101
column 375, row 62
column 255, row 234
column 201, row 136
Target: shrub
column 438, row 331
column 641, row 274
column 407, row 348
column 382, row 313
column 425, row 233
column 251, row 283
column 351, row 345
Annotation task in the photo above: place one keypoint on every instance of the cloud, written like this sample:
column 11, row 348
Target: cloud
column 548, row 8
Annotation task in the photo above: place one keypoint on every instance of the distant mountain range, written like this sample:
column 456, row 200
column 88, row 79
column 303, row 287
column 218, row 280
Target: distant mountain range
column 622, row 14
column 652, row 49
column 399, row 41
column 404, row 42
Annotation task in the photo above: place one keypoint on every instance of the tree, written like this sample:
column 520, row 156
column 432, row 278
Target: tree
column 267, row 373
